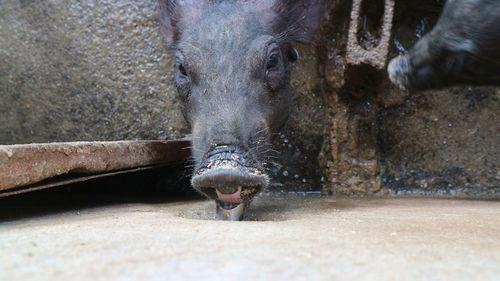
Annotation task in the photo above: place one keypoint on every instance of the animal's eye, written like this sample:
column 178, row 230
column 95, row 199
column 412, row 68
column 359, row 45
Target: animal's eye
column 273, row 61
column 181, row 68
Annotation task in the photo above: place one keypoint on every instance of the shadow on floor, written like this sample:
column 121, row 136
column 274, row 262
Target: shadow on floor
column 167, row 184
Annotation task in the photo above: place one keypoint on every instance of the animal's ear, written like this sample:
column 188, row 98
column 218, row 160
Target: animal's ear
column 174, row 15
column 299, row 20
column 168, row 18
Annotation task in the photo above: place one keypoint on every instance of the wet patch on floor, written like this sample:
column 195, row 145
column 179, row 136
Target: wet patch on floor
column 271, row 208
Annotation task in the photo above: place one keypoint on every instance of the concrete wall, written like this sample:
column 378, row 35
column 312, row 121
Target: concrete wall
column 84, row 70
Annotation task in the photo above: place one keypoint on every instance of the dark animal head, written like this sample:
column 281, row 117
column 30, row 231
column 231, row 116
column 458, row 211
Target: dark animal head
column 233, row 77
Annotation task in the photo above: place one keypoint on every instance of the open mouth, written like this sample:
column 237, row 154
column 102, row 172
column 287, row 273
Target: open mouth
column 230, row 198
column 230, row 211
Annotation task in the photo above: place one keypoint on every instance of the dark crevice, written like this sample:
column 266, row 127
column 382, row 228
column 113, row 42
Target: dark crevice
column 370, row 23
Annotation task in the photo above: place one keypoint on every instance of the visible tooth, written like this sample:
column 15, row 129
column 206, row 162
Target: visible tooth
column 235, row 214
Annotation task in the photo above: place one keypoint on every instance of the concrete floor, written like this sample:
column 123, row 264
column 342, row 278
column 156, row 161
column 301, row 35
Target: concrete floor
column 286, row 239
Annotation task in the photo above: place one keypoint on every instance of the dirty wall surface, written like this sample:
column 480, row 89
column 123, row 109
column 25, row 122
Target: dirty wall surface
column 96, row 70
column 381, row 140
column 84, row 70
column 439, row 141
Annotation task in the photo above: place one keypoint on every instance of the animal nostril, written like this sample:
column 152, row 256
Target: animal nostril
column 226, row 175
column 209, row 191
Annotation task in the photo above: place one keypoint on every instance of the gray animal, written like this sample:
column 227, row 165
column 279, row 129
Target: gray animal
column 463, row 48
column 233, row 77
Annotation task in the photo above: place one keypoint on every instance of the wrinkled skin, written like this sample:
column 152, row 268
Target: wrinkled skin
column 233, row 77
column 463, row 48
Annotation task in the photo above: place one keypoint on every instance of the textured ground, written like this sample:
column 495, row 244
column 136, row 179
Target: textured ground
column 287, row 239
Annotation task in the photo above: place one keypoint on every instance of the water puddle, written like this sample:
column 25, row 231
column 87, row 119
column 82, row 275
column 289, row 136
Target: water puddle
column 273, row 207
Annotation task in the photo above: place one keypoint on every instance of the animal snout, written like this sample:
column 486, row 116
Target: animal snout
column 230, row 183
column 226, row 175
column 399, row 70
column 225, row 185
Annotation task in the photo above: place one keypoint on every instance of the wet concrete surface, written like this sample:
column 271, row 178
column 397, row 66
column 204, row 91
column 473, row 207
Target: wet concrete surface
column 287, row 238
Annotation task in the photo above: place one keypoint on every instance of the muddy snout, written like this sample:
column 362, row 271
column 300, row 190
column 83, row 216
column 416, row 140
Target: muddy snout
column 399, row 71
column 227, row 176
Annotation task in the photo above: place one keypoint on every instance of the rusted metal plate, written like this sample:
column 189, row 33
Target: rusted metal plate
column 26, row 164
